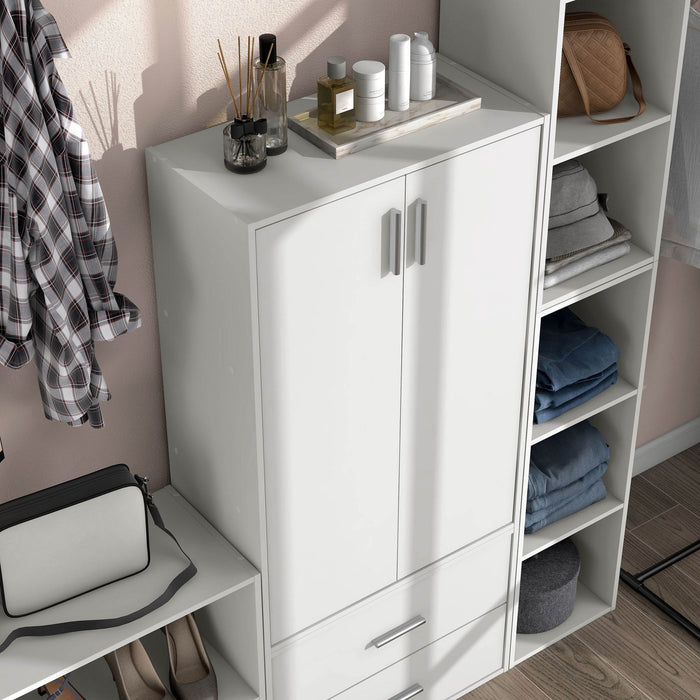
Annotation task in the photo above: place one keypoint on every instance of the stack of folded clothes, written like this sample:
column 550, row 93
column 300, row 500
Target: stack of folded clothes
column 580, row 236
column 565, row 475
column 575, row 363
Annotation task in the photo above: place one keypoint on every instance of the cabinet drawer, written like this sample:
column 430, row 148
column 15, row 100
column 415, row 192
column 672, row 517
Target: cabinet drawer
column 349, row 648
column 442, row 669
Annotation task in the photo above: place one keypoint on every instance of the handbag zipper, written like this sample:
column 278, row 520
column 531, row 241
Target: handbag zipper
column 587, row 20
column 58, row 496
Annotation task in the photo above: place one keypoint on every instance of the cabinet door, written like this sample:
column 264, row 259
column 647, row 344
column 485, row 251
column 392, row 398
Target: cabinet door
column 330, row 364
column 465, row 313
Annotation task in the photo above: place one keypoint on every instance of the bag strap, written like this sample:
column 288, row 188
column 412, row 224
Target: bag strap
column 79, row 625
column 583, row 90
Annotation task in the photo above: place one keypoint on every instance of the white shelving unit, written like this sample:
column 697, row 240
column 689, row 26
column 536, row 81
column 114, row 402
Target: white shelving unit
column 225, row 594
column 629, row 161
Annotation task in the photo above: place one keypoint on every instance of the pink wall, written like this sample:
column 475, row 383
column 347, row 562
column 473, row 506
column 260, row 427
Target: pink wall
column 152, row 66
column 672, row 378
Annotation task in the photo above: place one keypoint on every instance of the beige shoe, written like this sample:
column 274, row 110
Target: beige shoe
column 134, row 674
column 192, row 676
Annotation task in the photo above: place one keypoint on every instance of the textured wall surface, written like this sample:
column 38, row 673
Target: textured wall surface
column 672, row 378
column 143, row 72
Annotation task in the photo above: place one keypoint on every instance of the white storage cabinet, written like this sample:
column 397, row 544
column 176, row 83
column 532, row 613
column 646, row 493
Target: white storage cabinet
column 342, row 346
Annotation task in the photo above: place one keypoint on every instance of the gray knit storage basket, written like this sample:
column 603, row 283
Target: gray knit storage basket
column 548, row 588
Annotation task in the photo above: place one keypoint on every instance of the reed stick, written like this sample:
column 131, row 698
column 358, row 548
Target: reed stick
column 269, row 53
column 252, row 70
column 249, row 76
column 247, row 82
column 240, row 80
column 224, row 67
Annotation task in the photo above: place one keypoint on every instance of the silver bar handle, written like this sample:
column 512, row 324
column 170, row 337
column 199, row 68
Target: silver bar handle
column 397, row 632
column 411, row 692
column 421, row 230
column 395, row 241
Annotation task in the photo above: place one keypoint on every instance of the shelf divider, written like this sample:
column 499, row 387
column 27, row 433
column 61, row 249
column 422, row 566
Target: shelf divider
column 618, row 392
column 559, row 530
column 578, row 135
column 595, row 280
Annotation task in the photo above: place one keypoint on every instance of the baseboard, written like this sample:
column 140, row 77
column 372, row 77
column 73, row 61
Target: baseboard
column 665, row 446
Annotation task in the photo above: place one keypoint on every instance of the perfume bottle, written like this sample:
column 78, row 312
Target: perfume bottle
column 271, row 104
column 336, row 98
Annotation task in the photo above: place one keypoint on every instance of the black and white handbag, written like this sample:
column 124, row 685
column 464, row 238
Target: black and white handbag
column 94, row 530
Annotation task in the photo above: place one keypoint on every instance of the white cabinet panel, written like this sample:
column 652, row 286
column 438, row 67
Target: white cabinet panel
column 438, row 600
column 465, row 315
column 330, row 362
column 443, row 669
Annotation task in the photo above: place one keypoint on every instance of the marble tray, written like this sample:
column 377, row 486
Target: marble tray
column 450, row 101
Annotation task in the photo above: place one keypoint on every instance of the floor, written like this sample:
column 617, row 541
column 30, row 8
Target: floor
column 635, row 651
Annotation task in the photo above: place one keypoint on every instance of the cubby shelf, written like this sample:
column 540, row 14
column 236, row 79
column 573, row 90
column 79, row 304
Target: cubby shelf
column 95, row 679
column 587, row 607
column 222, row 571
column 596, row 280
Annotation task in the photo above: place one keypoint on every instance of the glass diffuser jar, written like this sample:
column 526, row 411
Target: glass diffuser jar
column 244, row 145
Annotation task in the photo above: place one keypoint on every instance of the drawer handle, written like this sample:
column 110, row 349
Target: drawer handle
column 395, row 241
column 421, row 230
column 408, row 693
column 397, row 632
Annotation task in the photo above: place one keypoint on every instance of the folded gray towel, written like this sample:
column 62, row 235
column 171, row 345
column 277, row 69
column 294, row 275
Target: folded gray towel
column 587, row 263
column 620, row 234
column 574, row 194
column 577, row 235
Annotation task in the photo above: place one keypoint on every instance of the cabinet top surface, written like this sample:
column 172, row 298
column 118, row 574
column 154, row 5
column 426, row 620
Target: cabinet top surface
column 305, row 176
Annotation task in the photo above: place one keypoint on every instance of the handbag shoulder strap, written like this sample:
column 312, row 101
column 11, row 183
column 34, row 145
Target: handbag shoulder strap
column 583, row 90
column 79, row 625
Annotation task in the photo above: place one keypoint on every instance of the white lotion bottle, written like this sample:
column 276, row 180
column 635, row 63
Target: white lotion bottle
column 399, row 72
column 423, row 67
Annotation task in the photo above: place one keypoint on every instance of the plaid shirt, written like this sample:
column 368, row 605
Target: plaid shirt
column 58, row 260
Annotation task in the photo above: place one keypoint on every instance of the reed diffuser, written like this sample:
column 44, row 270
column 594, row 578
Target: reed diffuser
column 244, row 137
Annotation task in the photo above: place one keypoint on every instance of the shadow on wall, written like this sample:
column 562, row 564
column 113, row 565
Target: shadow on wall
column 173, row 50
column 309, row 32
column 158, row 112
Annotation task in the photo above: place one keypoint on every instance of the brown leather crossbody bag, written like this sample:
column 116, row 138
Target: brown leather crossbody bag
column 594, row 67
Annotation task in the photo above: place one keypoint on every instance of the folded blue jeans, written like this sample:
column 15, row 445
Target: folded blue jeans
column 542, row 505
column 545, row 399
column 594, row 493
column 571, row 351
column 564, row 458
column 546, row 414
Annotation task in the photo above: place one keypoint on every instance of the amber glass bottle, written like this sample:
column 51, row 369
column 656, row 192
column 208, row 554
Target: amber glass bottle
column 336, row 98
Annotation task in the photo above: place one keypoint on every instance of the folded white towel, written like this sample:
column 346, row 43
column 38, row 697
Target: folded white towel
column 586, row 263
